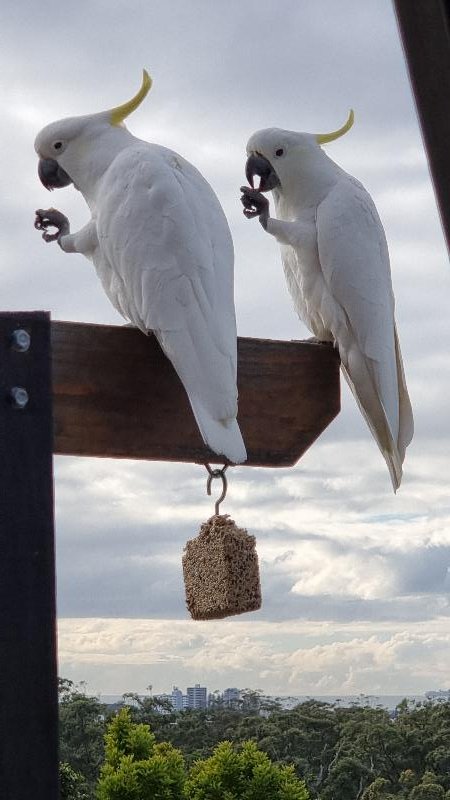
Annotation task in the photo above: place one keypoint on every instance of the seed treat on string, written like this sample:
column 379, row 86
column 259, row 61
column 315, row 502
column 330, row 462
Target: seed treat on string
column 220, row 566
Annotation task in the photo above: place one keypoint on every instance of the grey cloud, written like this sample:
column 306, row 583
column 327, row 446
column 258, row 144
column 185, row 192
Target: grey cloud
column 179, row 41
column 121, row 571
column 338, row 610
column 120, row 587
column 135, row 570
column 424, row 570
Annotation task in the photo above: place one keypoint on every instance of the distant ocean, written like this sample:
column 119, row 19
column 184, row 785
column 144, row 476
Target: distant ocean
column 389, row 701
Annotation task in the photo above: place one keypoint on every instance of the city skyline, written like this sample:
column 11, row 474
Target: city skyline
column 230, row 695
column 234, row 698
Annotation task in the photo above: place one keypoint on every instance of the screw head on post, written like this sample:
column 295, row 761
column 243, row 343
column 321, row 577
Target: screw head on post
column 20, row 340
column 19, row 397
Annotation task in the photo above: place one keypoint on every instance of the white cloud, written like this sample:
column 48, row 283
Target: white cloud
column 324, row 572
column 387, row 660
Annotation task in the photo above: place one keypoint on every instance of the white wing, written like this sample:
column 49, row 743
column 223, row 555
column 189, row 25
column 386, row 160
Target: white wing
column 167, row 265
column 355, row 262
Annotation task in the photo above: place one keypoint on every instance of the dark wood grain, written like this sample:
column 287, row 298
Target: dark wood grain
column 425, row 32
column 116, row 394
column 28, row 687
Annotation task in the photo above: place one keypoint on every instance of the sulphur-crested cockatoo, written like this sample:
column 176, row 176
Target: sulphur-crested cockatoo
column 161, row 246
column 336, row 263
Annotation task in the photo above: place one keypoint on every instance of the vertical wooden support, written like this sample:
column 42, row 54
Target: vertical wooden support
column 28, row 683
column 425, row 32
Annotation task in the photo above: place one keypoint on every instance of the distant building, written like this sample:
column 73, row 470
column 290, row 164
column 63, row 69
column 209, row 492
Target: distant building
column 177, row 699
column 196, row 696
column 438, row 696
column 231, row 697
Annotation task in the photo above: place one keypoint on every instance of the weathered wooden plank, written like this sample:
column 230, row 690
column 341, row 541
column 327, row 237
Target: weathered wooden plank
column 116, row 394
column 425, row 32
column 28, row 687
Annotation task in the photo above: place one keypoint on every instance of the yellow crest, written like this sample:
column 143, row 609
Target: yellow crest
column 324, row 138
column 117, row 115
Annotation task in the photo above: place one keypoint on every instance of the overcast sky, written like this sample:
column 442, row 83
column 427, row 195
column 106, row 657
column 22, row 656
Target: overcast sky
column 355, row 580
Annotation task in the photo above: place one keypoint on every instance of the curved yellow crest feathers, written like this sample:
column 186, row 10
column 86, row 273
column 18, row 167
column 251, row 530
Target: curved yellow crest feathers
column 324, row 138
column 117, row 115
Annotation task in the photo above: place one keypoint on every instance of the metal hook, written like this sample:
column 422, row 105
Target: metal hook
column 217, row 473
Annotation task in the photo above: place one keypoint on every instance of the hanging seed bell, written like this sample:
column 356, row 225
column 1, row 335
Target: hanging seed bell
column 220, row 568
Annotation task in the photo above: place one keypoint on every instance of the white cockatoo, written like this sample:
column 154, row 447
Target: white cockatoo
column 336, row 263
column 162, row 249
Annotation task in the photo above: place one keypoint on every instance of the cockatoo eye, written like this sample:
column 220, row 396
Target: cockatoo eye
column 279, row 152
column 57, row 145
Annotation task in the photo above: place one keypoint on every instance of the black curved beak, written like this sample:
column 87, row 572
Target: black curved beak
column 258, row 165
column 51, row 175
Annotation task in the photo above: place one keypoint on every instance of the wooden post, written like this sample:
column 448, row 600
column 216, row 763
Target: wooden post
column 28, row 685
column 425, row 32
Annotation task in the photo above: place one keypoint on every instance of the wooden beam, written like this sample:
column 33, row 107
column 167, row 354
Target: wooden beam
column 425, row 32
column 28, row 686
column 116, row 394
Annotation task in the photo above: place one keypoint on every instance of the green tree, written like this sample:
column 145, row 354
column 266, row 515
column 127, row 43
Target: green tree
column 427, row 789
column 245, row 773
column 71, row 784
column 81, row 731
column 438, row 759
column 347, row 778
column 379, row 789
column 368, row 736
column 250, row 700
column 407, row 780
column 339, row 752
column 147, row 706
column 136, row 767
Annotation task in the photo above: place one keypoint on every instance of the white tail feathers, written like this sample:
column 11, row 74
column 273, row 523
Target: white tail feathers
column 209, row 379
column 223, row 437
column 373, row 412
column 406, row 421
column 391, row 429
column 394, row 465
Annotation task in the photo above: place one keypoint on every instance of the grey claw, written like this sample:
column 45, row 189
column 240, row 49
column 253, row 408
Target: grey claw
column 53, row 218
column 255, row 205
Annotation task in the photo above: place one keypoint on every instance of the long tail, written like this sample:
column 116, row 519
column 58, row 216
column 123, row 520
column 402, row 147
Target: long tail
column 223, row 437
column 209, row 378
column 384, row 402
column 406, row 421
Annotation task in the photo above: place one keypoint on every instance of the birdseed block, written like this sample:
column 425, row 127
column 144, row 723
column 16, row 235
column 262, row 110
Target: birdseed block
column 221, row 573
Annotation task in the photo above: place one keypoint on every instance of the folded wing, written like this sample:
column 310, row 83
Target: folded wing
column 164, row 231
column 355, row 262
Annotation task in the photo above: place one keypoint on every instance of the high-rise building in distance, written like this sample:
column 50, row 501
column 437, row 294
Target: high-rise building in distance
column 196, row 696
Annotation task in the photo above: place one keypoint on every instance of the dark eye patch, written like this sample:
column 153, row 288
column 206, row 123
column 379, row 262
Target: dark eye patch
column 279, row 152
column 57, row 145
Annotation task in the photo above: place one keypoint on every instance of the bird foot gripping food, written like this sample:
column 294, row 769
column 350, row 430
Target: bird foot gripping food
column 51, row 218
column 221, row 573
column 255, row 205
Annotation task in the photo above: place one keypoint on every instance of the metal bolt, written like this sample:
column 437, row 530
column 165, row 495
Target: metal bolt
column 20, row 340
column 19, row 397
